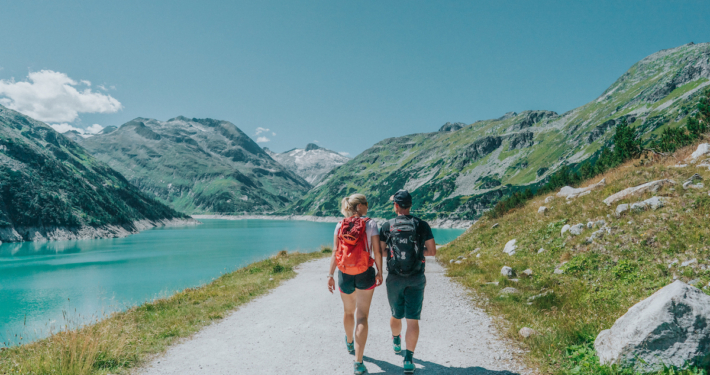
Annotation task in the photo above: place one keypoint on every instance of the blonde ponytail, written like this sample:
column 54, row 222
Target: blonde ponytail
column 348, row 206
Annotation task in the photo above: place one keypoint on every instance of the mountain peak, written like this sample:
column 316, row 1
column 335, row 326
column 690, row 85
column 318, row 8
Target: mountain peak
column 312, row 146
column 449, row 127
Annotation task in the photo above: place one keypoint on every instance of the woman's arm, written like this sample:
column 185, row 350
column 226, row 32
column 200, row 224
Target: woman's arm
column 331, row 280
column 377, row 252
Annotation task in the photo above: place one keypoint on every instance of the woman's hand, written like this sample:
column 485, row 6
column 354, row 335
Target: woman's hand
column 378, row 279
column 331, row 284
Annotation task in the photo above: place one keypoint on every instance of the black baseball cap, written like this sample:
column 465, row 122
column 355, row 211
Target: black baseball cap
column 402, row 198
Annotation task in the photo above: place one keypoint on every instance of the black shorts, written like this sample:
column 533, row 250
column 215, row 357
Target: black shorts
column 364, row 281
column 406, row 295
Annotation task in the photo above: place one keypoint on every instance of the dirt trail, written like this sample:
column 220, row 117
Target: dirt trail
column 297, row 329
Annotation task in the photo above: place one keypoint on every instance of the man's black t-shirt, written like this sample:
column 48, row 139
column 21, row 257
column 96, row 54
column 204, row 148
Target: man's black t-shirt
column 423, row 231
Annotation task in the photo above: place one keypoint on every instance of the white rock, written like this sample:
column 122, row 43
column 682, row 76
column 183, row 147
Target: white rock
column 576, row 230
column 690, row 185
column 688, row 262
column 494, row 225
column 549, row 199
column 541, row 250
column 703, row 149
column 459, row 257
column 528, row 272
column 508, row 290
column 600, row 223
column 458, row 262
column 638, row 190
column 655, row 202
column 478, row 255
column 570, row 192
column 671, row 328
column 506, row 271
column 620, row 209
column 542, row 210
column 590, row 225
column 558, row 271
column 526, row 332
column 510, row 247
column 451, row 261
column 565, row 228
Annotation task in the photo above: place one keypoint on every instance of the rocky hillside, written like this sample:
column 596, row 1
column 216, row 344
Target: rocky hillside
column 460, row 171
column 51, row 188
column 197, row 165
column 312, row 163
column 565, row 268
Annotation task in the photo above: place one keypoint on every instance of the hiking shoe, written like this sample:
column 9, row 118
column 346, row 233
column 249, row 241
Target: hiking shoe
column 350, row 345
column 359, row 368
column 408, row 365
column 397, row 344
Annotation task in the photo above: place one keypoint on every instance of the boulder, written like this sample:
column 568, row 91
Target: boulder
column 590, row 225
column 565, row 228
column 549, row 199
column 542, row 210
column 570, row 192
column 600, row 223
column 576, row 230
column 528, row 272
column 451, row 261
column 689, row 185
column 703, row 149
column 671, row 328
column 620, row 209
column 638, row 190
column 510, row 247
column 458, row 262
column 526, row 332
column 506, row 271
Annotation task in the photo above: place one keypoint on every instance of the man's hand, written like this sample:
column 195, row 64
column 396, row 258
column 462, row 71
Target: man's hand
column 331, row 284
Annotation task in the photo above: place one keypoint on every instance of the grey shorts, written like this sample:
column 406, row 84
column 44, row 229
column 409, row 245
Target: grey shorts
column 406, row 295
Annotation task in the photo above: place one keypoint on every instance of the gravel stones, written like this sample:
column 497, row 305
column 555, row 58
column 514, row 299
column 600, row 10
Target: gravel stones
column 510, row 247
column 671, row 328
column 506, row 271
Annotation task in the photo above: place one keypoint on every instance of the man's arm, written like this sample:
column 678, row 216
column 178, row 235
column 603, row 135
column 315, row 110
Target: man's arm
column 430, row 248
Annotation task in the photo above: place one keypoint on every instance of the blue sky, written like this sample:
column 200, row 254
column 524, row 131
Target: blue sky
column 345, row 73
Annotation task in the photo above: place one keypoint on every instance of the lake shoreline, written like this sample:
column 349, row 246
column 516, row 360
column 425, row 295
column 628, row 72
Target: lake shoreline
column 52, row 233
column 438, row 223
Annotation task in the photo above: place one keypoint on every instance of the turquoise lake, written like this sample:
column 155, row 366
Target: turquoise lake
column 41, row 283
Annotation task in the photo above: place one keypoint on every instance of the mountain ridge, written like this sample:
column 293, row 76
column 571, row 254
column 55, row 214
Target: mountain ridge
column 313, row 163
column 460, row 174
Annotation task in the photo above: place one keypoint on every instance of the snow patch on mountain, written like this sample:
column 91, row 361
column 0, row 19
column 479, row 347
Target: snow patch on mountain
column 312, row 163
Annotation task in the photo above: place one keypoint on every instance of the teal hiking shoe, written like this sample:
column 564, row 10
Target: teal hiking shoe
column 408, row 365
column 359, row 368
column 397, row 344
column 349, row 345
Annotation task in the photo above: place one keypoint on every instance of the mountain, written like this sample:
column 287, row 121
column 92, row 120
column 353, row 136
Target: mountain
column 459, row 173
column 51, row 188
column 197, row 165
column 312, row 163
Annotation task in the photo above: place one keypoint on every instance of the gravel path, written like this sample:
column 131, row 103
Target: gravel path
column 297, row 329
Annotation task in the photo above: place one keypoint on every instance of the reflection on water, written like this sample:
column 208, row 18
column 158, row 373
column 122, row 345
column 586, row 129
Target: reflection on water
column 44, row 286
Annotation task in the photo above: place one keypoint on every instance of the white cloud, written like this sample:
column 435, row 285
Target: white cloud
column 51, row 97
column 315, row 141
column 344, row 153
column 273, row 133
column 94, row 129
column 260, row 130
column 102, row 87
column 63, row 128
column 262, row 140
column 85, row 82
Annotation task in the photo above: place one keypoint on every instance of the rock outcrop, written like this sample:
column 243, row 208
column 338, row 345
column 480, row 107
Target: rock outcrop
column 671, row 328
column 570, row 192
column 449, row 127
column 652, row 186
column 510, row 247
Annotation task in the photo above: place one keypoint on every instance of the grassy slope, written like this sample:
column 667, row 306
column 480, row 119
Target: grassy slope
column 602, row 279
column 125, row 340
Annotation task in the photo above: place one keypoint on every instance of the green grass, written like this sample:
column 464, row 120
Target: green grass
column 602, row 279
column 125, row 340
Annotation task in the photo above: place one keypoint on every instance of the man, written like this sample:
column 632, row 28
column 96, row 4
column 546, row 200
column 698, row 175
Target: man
column 407, row 240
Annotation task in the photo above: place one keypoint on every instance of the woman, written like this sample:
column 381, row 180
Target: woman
column 356, row 242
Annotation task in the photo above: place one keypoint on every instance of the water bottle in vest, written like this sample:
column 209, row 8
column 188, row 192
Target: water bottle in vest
column 405, row 255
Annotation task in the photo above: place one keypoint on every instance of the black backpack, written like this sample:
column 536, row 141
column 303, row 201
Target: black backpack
column 406, row 255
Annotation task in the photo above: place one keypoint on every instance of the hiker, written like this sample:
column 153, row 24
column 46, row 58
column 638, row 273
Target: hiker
column 356, row 247
column 406, row 240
